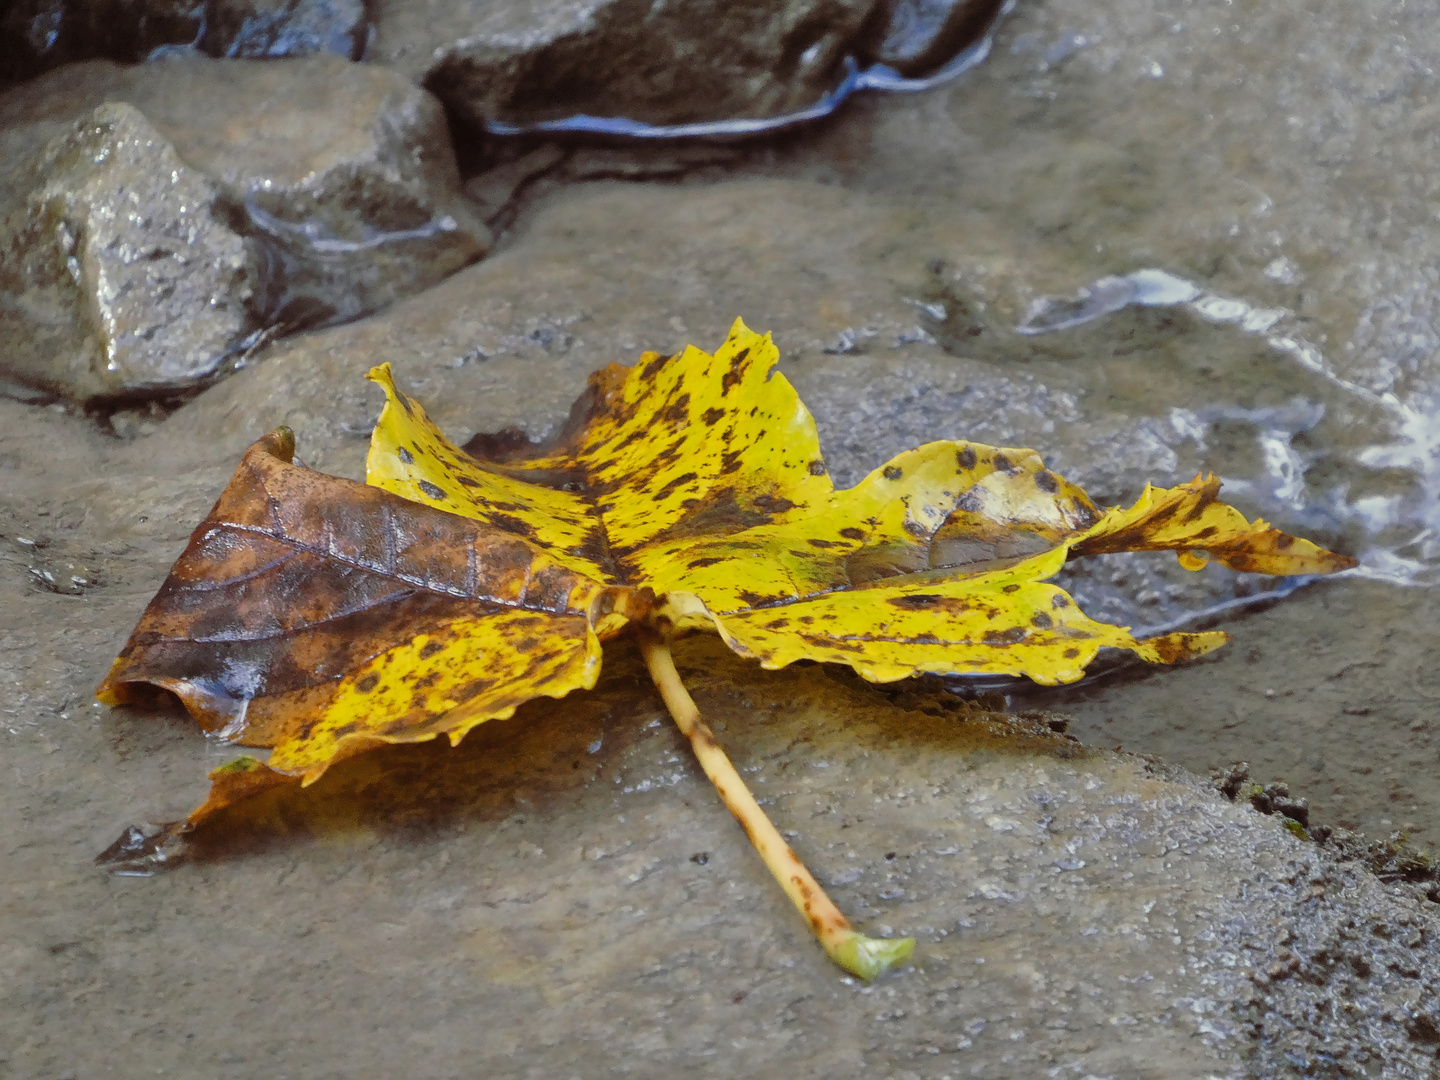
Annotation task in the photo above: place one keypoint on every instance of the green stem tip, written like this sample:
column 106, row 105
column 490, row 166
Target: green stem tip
column 869, row 957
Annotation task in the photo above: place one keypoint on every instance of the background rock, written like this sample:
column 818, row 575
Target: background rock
column 117, row 274
column 339, row 176
column 520, row 62
column 918, row 36
column 38, row 35
column 245, row 29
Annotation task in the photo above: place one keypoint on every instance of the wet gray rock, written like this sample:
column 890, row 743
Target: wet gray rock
column 339, row 177
column 118, row 276
column 1103, row 138
column 519, row 62
column 243, row 29
column 38, row 35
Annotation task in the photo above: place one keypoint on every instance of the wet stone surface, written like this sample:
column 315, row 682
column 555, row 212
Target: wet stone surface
column 696, row 60
column 336, row 187
column 119, row 274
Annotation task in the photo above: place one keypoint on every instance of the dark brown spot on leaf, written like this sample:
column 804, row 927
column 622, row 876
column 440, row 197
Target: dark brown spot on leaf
column 772, row 504
column 1070, row 654
column 708, row 560
column 368, row 683
column 669, row 489
column 824, row 543
column 1012, row 636
column 852, row 533
column 1045, row 481
column 893, row 472
column 1011, row 588
column 1004, row 464
column 1043, row 621
column 1085, row 516
column 839, row 644
column 817, row 468
column 650, row 370
column 736, row 374
column 430, row 649
column 404, row 456
column 965, row 459
column 916, row 601
column 677, row 411
column 512, row 524
column 430, row 489
column 712, row 416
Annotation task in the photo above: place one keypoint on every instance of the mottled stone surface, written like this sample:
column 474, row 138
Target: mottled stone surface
column 519, row 62
column 339, row 176
column 118, row 276
column 38, row 35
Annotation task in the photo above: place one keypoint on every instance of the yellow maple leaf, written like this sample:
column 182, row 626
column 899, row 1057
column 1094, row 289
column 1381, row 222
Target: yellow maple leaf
column 321, row 618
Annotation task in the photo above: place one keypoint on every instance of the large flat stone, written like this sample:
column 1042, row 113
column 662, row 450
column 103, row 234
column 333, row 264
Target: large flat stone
column 571, row 877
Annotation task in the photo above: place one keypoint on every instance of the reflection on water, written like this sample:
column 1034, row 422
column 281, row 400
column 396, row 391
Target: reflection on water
column 1397, row 530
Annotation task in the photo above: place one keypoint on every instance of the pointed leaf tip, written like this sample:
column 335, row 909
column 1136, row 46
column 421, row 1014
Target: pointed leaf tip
column 280, row 443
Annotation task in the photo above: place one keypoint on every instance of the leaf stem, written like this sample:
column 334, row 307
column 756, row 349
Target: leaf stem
column 853, row 951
